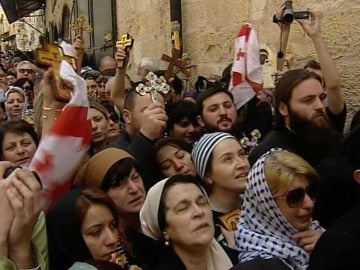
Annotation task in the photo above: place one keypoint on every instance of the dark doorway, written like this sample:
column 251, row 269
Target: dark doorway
column 65, row 29
column 101, row 15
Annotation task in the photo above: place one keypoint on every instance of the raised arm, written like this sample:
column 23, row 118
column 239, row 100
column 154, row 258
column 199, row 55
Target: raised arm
column 24, row 197
column 46, row 104
column 328, row 67
column 118, row 88
column 79, row 45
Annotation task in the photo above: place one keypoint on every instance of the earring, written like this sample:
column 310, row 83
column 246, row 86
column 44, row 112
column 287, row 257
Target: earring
column 208, row 181
column 167, row 239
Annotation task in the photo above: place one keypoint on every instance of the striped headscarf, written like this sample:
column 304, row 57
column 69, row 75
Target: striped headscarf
column 204, row 147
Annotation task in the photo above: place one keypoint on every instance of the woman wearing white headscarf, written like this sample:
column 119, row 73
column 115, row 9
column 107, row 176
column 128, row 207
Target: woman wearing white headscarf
column 15, row 103
column 177, row 212
column 276, row 230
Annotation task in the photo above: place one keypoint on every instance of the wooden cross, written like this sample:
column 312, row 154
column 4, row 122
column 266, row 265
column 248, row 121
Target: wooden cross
column 80, row 27
column 126, row 42
column 176, row 64
column 51, row 56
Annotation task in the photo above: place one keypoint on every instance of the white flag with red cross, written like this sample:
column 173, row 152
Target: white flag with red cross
column 246, row 73
column 63, row 148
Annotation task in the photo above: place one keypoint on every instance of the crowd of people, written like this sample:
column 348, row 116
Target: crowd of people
column 151, row 179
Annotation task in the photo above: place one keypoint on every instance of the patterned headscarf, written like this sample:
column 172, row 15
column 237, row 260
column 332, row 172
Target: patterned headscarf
column 263, row 230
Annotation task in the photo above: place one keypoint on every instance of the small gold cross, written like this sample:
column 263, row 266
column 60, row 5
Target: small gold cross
column 80, row 27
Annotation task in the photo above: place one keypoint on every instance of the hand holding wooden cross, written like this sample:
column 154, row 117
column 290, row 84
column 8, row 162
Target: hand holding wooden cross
column 126, row 42
column 80, row 27
column 176, row 64
column 51, row 56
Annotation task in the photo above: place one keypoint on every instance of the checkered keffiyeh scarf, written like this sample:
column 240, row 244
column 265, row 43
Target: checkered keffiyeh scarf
column 263, row 230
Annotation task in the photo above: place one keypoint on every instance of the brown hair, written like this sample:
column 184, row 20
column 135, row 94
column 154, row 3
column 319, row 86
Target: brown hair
column 90, row 196
column 99, row 107
column 284, row 89
column 17, row 127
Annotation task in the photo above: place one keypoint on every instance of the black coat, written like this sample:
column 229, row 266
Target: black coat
column 338, row 247
column 262, row 264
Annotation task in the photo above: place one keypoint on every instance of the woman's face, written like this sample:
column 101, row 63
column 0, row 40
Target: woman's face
column 15, row 105
column 130, row 195
column 230, row 167
column 188, row 217
column 100, row 126
column 114, row 130
column 100, row 232
column 174, row 161
column 186, row 131
column 298, row 216
column 18, row 148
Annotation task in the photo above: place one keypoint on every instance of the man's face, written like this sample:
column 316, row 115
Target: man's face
column 100, row 126
column 26, row 71
column 92, row 88
column 306, row 105
column 11, row 79
column 219, row 113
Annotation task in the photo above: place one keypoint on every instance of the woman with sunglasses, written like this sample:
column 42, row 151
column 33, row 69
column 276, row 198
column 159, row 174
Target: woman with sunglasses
column 276, row 230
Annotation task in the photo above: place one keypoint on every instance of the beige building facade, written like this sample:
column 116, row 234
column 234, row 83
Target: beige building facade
column 23, row 34
column 210, row 26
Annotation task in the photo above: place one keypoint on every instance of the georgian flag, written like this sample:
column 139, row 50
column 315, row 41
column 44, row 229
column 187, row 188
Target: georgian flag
column 63, row 148
column 246, row 72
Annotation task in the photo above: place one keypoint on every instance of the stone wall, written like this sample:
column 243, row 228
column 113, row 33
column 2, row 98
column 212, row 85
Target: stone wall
column 54, row 10
column 210, row 26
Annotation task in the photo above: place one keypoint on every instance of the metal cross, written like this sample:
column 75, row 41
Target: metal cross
column 126, row 42
column 80, row 27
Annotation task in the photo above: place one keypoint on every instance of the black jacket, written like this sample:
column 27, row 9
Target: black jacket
column 338, row 247
column 262, row 264
column 142, row 149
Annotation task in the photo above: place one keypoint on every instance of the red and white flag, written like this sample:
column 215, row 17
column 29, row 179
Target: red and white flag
column 61, row 150
column 246, row 72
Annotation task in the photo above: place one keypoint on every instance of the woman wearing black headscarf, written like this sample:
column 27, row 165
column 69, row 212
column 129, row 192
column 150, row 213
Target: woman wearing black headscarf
column 82, row 232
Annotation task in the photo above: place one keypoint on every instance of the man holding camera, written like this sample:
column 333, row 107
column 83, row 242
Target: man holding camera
column 305, row 123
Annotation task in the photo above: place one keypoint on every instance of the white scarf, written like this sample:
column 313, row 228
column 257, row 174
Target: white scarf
column 217, row 259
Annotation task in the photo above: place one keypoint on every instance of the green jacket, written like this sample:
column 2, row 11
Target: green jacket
column 39, row 241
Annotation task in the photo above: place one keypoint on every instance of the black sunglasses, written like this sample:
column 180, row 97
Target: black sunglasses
column 295, row 197
column 28, row 70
